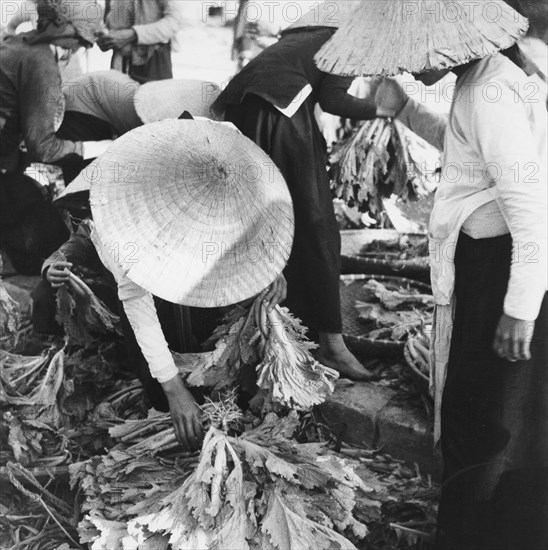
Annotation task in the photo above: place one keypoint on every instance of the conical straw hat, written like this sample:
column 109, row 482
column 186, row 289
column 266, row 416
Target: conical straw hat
column 388, row 37
column 329, row 13
column 192, row 211
column 79, row 185
column 163, row 99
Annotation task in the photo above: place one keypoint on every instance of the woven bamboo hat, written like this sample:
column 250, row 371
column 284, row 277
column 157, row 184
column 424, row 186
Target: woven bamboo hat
column 192, row 211
column 329, row 13
column 163, row 99
column 388, row 37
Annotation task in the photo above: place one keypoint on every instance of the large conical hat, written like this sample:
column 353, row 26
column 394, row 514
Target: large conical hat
column 163, row 99
column 388, row 37
column 329, row 13
column 192, row 211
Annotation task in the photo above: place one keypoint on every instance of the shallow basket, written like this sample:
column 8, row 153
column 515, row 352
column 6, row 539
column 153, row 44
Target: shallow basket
column 353, row 331
column 417, row 268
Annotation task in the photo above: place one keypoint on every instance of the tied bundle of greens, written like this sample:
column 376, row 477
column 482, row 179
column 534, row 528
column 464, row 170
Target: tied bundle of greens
column 260, row 489
column 83, row 316
column 288, row 372
column 375, row 162
column 275, row 345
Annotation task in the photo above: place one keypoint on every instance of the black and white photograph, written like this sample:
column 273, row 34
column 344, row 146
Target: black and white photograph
column 273, row 275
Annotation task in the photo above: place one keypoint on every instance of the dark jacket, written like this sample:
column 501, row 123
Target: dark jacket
column 31, row 103
column 281, row 71
column 79, row 251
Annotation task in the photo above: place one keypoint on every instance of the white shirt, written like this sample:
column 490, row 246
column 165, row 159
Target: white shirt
column 494, row 176
column 143, row 318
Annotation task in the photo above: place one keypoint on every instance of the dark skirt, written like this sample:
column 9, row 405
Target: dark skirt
column 158, row 67
column 297, row 147
column 494, row 417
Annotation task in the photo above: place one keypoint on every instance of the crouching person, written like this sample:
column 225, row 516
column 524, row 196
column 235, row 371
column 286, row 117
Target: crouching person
column 193, row 213
column 77, row 255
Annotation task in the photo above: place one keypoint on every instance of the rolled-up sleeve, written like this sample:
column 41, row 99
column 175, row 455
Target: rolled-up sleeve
column 165, row 29
column 426, row 123
column 41, row 104
column 143, row 318
column 508, row 146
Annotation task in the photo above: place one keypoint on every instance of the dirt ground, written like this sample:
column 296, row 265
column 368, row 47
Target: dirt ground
column 203, row 52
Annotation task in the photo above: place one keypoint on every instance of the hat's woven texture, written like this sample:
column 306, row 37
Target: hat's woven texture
column 192, row 211
column 163, row 99
column 388, row 37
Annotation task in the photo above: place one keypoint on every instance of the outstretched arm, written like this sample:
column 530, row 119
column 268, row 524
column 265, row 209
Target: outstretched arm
column 334, row 99
column 143, row 318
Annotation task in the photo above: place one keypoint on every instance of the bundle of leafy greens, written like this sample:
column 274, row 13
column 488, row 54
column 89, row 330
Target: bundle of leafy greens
column 376, row 161
column 288, row 372
column 48, row 403
column 275, row 345
column 83, row 316
column 259, row 489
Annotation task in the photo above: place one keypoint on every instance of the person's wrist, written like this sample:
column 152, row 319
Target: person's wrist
column 173, row 386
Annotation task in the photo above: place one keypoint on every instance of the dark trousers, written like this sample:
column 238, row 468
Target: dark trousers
column 494, row 417
column 298, row 149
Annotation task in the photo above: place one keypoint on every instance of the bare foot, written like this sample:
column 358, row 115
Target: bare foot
column 333, row 353
column 347, row 365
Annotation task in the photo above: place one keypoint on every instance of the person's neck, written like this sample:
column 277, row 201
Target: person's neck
column 459, row 70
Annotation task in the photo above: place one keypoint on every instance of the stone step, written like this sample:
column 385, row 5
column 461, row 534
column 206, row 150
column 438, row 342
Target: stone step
column 369, row 414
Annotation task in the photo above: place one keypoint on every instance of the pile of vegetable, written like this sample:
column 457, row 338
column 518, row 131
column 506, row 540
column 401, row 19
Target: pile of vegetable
column 9, row 318
column 402, row 247
column 252, row 486
column 244, row 490
column 48, row 403
column 379, row 159
column 393, row 313
column 56, row 410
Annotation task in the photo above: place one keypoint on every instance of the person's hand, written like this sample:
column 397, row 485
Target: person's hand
column 276, row 293
column 185, row 414
column 57, row 273
column 390, row 98
column 116, row 40
column 513, row 339
column 102, row 41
